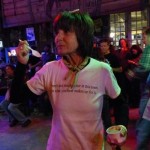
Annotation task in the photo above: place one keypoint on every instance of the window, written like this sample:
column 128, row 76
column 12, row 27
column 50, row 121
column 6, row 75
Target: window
column 117, row 27
column 138, row 22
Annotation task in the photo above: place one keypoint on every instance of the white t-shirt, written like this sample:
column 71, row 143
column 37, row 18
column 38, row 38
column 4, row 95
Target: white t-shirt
column 77, row 122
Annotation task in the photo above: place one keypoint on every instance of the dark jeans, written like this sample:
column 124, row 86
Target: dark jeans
column 143, row 126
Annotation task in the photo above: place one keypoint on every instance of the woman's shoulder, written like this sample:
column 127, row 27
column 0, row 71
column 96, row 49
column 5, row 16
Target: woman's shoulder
column 99, row 64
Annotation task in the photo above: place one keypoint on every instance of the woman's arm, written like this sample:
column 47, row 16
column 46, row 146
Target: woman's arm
column 19, row 90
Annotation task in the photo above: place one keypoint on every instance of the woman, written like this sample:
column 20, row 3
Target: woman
column 75, row 84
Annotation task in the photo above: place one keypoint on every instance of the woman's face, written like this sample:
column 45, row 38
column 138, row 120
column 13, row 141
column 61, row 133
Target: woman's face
column 123, row 43
column 66, row 42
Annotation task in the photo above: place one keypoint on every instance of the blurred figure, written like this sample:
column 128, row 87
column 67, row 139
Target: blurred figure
column 123, row 44
column 120, row 105
column 121, row 53
column 9, row 70
column 141, row 72
column 133, row 57
column 11, row 107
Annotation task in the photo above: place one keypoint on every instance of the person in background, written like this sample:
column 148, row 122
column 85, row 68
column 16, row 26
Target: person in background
column 141, row 72
column 133, row 57
column 11, row 107
column 134, row 54
column 120, row 104
column 9, row 74
column 47, row 54
column 145, row 121
column 123, row 44
column 75, row 84
column 121, row 53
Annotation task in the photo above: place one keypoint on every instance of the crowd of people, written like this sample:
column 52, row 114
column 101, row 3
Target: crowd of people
column 83, row 88
column 131, row 68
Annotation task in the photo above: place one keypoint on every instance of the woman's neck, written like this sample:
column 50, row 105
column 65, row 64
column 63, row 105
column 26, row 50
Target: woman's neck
column 74, row 59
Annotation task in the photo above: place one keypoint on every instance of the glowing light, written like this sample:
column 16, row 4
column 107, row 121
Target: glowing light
column 112, row 35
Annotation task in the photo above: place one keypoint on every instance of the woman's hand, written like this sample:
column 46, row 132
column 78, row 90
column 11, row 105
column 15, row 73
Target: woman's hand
column 22, row 52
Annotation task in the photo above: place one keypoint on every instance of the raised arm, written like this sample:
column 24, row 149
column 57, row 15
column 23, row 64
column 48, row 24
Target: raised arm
column 19, row 89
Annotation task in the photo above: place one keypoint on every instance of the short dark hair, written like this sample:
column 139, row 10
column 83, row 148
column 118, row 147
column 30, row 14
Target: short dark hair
column 105, row 41
column 137, row 47
column 83, row 26
column 108, row 41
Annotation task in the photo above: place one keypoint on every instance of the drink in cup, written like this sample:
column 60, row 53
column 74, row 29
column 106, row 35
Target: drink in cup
column 116, row 134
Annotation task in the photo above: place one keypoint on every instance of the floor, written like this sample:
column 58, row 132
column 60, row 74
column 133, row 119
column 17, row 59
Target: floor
column 35, row 136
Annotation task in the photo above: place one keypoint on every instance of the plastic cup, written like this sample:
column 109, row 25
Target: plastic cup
column 116, row 134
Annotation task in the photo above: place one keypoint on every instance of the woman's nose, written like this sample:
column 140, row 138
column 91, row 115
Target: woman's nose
column 59, row 35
